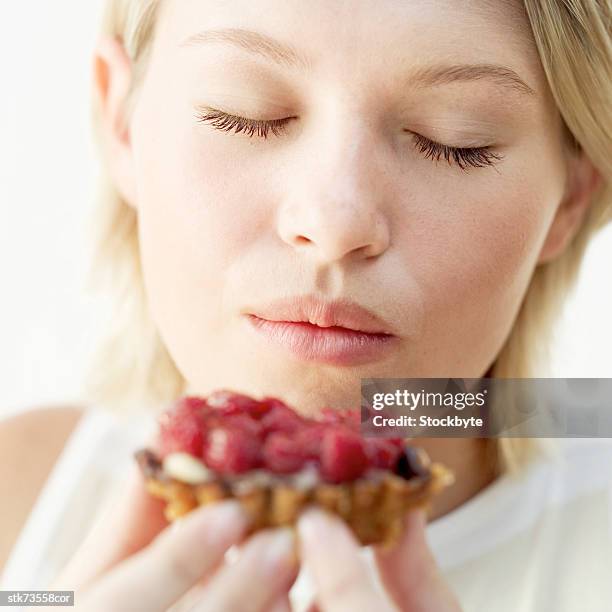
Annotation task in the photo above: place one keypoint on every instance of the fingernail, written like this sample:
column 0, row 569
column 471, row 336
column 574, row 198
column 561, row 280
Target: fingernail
column 280, row 549
column 221, row 521
column 223, row 514
column 311, row 525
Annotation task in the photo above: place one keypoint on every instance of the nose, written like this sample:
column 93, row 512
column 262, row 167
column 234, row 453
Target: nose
column 336, row 210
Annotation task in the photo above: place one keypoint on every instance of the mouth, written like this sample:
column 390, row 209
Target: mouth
column 333, row 345
column 342, row 313
column 338, row 333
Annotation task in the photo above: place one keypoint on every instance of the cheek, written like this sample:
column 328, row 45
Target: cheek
column 199, row 198
column 474, row 263
column 196, row 220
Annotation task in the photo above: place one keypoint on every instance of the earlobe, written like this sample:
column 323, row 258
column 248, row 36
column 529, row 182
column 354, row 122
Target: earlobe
column 583, row 181
column 112, row 72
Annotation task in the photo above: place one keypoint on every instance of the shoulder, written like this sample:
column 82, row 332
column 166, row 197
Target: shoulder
column 33, row 420
column 30, row 444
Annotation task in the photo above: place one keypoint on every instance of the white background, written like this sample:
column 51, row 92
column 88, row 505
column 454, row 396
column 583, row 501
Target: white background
column 47, row 185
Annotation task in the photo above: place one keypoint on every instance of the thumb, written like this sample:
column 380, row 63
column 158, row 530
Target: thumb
column 129, row 519
column 409, row 570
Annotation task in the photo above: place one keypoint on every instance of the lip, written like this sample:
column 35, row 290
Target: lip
column 340, row 332
column 311, row 309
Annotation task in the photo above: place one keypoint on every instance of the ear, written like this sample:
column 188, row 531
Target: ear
column 583, row 179
column 112, row 82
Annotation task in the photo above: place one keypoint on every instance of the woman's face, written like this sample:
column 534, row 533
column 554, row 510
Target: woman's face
column 350, row 198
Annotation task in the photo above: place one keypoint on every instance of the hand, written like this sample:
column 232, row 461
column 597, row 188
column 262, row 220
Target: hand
column 133, row 560
column 344, row 581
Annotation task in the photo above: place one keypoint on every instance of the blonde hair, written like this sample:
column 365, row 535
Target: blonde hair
column 132, row 365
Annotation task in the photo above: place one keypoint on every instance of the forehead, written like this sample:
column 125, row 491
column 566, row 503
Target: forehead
column 358, row 38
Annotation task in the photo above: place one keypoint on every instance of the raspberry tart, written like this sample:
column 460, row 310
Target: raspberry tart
column 275, row 462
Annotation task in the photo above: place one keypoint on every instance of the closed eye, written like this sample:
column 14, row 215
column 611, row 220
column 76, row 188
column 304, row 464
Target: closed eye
column 464, row 157
column 251, row 127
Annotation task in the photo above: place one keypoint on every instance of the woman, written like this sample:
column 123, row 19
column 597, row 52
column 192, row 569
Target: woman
column 441, row 165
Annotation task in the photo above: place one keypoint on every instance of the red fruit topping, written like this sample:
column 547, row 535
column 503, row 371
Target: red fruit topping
column 231, row 451
column 274, row 402
column 191, row 403
column 383, row 454
column 281, row 418
column 243, row 422
column 234, row 433
column 181, row 428
column 309, row 440
column 282, row 455
column 349, row 418
column 228, row 402
column 246, row 423
column 343, row 455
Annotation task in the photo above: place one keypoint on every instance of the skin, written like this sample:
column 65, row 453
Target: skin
column 46, row 430
column 132, row 556
column 221, row 214
column 342, row 204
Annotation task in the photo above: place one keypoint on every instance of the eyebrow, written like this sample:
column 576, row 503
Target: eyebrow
column 286, row 55
column 444, row 74
column 253, row 42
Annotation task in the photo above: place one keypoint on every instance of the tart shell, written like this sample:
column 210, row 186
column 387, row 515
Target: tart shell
column 373, row 508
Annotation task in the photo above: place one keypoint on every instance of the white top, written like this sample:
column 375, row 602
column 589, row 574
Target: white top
column 537, row 543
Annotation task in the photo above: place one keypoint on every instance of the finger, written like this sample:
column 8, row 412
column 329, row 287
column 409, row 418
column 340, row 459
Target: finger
column 332, row 556
column 281, row 605
column 409, row 570
column 409, row 560
column 130, row 519
column 265, row 570
column 174, row 562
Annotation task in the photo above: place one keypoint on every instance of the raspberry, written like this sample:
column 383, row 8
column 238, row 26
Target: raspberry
column 309, row 440
column 282, row 455
column 234, row 433
column 181, row 428
column 228, row 402
column 243, row 422
column 246, row 424
column 382, row 453
column 231, row 451
column 191, row 403
column 343, row 455
column 274, row 402
column 348, row 418
column 281, row 418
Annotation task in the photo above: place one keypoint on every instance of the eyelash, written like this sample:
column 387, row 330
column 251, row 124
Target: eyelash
column 476, row 157
column 251, row 127
column 464, row 157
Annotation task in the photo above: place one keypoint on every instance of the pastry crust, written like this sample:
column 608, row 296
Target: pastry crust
column 373, row 506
